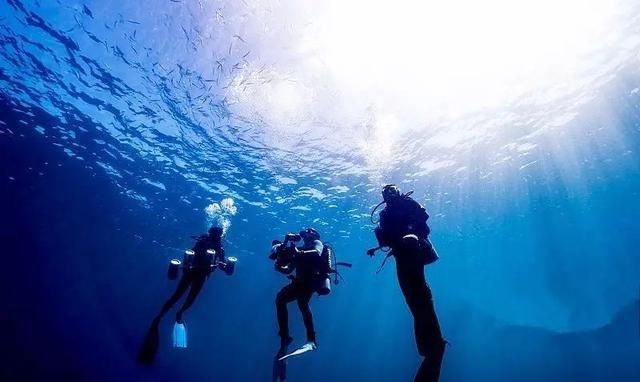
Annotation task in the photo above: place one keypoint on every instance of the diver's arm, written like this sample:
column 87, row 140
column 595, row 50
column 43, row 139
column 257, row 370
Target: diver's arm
column 382, row 241
column 317, row 249
column 285, row 269
column 308, row 252
column 275, row 248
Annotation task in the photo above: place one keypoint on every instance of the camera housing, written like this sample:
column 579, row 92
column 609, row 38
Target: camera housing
column 291, row 239
column 283, row 252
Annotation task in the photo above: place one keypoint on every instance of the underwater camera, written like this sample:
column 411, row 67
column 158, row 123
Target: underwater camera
column 283, row 251
column 291, row 239
column 209, row 261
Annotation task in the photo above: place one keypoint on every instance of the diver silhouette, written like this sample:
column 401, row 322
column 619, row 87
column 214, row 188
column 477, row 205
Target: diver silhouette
column 313, row 262
column 403, row 228
column 306, row 261
column 199, row 263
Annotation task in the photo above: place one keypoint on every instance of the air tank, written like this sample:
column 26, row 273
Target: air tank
column 324, row 283
column 174, row 266
column 230, row 266
column 325, row 286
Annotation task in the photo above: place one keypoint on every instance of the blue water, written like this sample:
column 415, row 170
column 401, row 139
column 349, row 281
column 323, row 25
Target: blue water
column 117, row 130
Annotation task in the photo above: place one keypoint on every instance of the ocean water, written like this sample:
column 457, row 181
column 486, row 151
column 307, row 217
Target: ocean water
column 127, row 127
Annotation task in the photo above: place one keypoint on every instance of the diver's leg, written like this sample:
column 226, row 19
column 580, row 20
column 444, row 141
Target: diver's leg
column 418, row 297
column 285, row 296
column 426, row 325
column 429, row 339
column 183, row 284
column 196, row 285
column 430, row 368
column 307, row 317
column 427, row 330
column 423, row 372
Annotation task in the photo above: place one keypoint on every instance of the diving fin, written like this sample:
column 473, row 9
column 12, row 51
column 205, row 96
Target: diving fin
column 149, row 348
column 279, row 373
column 309, row 346
column 179, row 335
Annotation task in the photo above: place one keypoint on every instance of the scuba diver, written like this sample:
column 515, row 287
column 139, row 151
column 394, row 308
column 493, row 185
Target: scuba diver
column 206, row 255
column 313, row 262
column 403, row 231
column 306, row 262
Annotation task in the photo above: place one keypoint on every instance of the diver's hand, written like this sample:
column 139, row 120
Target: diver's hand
column 372, row 252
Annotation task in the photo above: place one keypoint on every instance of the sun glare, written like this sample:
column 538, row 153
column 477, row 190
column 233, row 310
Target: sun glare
column 458, row 55
column 340, row 63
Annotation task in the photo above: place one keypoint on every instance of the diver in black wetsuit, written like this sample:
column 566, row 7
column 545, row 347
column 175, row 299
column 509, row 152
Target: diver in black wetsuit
column 196, row 271
column 403, row 228
column 313, row 262
column 306, row 261
column 198, row 265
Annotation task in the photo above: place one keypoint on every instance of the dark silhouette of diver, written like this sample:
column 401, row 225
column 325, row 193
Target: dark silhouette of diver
column 198, row 265
column 306, row 261
column 403, row 228
column 314, row 262
column 310, row 276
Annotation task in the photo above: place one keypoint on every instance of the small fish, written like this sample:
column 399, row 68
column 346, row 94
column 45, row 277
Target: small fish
column 87, row 11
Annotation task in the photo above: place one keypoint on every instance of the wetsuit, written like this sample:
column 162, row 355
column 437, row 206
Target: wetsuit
column 195, row 274
column 404, row 216
column 197, row 268
column 301, row 289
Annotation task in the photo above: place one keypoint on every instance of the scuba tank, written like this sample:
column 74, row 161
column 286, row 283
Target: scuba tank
column 174, row 266
column 229, row 266
column 189, row 262
column 189, row 257
column 329, row 265
column 326, row 268
column 325, row 285
column 211, row 259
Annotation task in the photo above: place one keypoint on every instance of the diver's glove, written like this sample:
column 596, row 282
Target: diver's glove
column 372, row 251
column 284, row 269
column 275, row 248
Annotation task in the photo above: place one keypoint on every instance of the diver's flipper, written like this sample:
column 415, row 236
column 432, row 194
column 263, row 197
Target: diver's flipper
column 179, row 335
column 309, row 346
column 149, row 348
column 279, row 369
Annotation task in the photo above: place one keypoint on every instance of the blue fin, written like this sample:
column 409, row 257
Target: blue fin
column 179, row 335
column 309, row 346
